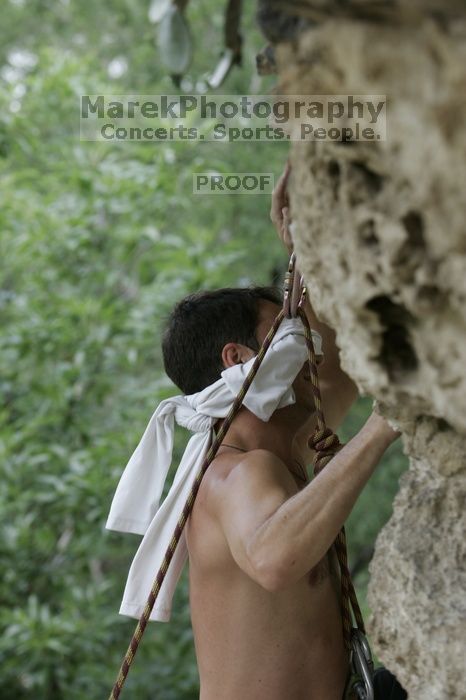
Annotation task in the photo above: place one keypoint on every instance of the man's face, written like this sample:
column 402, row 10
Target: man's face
column 302, row 386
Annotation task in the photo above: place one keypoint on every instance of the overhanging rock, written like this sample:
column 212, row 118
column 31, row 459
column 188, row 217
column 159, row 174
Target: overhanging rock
column 380, row 238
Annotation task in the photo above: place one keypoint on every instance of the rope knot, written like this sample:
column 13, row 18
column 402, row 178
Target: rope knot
column 324, row 440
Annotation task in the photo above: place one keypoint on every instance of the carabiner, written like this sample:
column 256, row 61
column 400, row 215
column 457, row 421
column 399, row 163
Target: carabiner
column 363, row 665
column 294, row 289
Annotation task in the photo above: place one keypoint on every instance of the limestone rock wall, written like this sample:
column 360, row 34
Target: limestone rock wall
column 381, row 241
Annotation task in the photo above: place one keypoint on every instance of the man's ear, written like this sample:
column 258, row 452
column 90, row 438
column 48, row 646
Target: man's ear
column 235, row 354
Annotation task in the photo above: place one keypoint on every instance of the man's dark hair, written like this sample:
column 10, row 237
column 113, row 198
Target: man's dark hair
column 201, row 325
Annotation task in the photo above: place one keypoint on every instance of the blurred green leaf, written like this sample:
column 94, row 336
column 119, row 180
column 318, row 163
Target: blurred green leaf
column 174, row 41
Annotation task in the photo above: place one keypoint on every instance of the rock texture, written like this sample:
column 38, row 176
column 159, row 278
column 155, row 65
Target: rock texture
column 381, row 241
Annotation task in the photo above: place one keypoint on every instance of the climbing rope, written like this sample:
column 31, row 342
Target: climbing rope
column 326, row 444
column 324, row 441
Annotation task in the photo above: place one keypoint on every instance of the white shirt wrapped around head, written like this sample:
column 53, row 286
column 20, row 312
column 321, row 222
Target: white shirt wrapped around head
column 136, row 503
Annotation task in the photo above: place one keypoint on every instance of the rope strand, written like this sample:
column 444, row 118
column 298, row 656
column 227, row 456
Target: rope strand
column 326, row 444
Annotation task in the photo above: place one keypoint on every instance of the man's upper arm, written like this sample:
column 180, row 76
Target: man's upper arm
column 245, row 498
column 338, row 392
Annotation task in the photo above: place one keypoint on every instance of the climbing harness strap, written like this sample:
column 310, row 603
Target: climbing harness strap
column 325, row 443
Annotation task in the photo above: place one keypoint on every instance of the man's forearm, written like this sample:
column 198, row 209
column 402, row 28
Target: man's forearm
column 296, row 537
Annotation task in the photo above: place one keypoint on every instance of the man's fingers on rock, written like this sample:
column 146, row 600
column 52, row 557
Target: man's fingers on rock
column 280, row 188
column 276, row 209
column 280, row 197
column 285, row 214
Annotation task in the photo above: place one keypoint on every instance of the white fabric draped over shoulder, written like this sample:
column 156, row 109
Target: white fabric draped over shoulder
column 136, row 504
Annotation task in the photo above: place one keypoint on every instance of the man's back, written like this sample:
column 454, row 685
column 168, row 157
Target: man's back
column 253, row 643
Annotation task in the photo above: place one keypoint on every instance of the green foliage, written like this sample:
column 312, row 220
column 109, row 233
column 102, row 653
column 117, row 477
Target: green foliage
column 97, row 242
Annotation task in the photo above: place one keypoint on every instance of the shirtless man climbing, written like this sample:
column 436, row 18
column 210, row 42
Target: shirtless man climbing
column 264, row 591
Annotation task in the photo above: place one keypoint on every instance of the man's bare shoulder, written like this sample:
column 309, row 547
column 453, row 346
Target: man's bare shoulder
column 250, row 474
column 260, row 463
